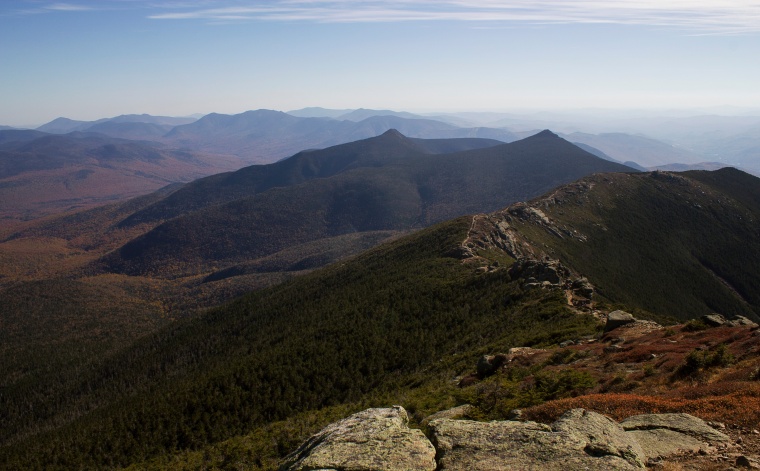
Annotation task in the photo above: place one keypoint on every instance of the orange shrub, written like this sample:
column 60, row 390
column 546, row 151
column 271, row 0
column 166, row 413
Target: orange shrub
column 735, row 403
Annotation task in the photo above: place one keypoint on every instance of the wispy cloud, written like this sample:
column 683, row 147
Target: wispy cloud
column 37, row 7
column 67, row 7
column 706, row 16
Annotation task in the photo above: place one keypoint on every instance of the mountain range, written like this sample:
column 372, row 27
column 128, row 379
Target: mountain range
column 394, row 324
column 217, row 142
column 218, row 322
column 65, row 125
column 386, row 183
column 254, row 135
column 67, row 165
column 263, row 136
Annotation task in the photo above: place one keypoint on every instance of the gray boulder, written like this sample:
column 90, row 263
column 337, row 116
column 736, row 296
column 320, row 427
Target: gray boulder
column 602, row 435
column 371, row 440
column 617, row 319
column 664, row 443
column 682, row 423
column 465, row 445
column 665, row 435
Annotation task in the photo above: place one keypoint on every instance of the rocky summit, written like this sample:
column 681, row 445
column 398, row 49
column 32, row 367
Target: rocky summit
column 379, row 439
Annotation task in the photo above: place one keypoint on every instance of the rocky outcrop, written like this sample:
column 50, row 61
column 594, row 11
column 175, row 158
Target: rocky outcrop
column 551, row 272
column 495, row 232
column 665, row 435
column 374, row 439
column 465, row 445
column 682, row 423
column 627, row 323
column 602, row 435
column 532, row 266
column 718, row 320
column 537, row 217
column 737, row 321
column 617, row 319
column 578, row 440
column 379, row 439
column 663, row 443
column 714, row 320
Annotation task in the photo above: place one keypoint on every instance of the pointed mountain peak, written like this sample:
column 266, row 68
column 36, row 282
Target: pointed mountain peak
column 545, row 134
column 393, row 133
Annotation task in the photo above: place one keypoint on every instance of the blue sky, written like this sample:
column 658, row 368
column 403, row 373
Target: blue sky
column 92, row 59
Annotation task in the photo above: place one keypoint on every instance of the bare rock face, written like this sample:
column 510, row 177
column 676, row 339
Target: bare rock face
column 371, row 440
column 683, row 423
column 602, row 435
column 664, row 435
column 534, row 267
column 380, row 440
column 664, row 443
column 579, row 440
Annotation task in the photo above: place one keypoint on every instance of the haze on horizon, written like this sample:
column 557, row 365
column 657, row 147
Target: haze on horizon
column 93, row 59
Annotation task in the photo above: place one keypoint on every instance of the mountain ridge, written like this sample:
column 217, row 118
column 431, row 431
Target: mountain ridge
column 384, row 183
column 265, row 136
column 588, row 225
column 298, row 168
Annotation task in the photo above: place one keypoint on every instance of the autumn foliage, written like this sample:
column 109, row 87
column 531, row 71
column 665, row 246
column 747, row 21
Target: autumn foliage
column 734, row 403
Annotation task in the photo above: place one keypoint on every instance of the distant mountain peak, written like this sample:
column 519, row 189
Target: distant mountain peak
column 393, row 133
column 262, row 111
column 545, row 133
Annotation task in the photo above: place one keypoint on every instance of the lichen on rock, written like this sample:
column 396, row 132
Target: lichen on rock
column 579, row 440
column 371, row 440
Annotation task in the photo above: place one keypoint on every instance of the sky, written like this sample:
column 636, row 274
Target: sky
column 93, row 59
